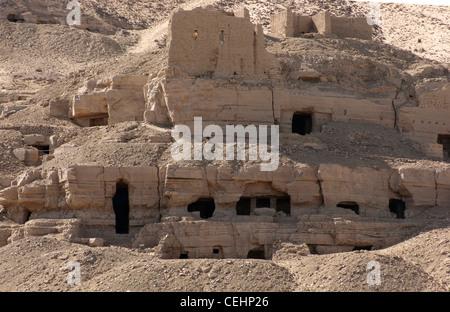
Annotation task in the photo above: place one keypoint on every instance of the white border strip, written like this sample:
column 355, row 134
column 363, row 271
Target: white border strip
column 420, row 2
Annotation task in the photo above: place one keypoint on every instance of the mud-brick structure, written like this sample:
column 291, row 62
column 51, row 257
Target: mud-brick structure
column 218, row 68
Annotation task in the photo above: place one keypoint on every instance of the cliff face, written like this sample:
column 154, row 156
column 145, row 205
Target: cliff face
column 89, row 116
column 363, row 143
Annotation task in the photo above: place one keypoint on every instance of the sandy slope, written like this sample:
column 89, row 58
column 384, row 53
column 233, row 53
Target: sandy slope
column 40, row 264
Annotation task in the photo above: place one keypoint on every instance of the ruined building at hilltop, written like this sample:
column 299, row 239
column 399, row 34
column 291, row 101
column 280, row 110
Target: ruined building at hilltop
column 219, row 69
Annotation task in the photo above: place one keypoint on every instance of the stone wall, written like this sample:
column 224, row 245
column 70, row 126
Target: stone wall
column 321, row 232
column 430, row 117
column 83, row 191
column 110, row 102
column 356, row 27
column 205, row 42
column 289, row 24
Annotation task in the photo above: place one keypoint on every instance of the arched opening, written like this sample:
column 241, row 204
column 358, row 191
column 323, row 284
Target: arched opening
column 349, row 205
column 121, row 206
column 206, row 206
column 302, row 123
column 397, row 206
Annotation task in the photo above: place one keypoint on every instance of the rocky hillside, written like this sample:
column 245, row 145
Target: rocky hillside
column 43, row 60
column 41, row 264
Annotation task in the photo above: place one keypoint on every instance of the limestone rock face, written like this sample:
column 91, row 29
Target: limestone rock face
column 417, row 185
column 219, row 69
column 126, row 99
column 29, row 155
column 89, row 105
column 342, row 185
column 83, row 190
column 244, row 238
column 103, row 103
column 184, row 185
column 247, row 206
column 207, row 239
column 170, row 192
column 156, row 110
column 428, row 120
column 443, row 188
column 217, row 104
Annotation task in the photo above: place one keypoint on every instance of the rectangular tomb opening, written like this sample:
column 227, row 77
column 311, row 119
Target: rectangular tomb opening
column 121, row 206
column 444, row 139
column 205, row 206
column 397, row 206
column 243, row 206
column 302, row 123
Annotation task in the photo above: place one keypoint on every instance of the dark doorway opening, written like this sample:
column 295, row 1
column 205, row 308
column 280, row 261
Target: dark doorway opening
column 243, row 206
column 206, row 206
column 43, row 149
column 397, row 206
column 284, row 204
column 184, row 255
column 312, row 249
column 362, row 248
column 100, row 121
column 444, row 139
column 263, row 203
column 14, row 18
column 257, row 253
column 302, row 123
column 27, row 216
column 349, row 205
column 121, row 207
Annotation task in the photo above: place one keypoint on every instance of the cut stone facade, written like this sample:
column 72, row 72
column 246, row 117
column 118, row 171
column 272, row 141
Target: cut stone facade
column 288, row 24
column 218, row 69
column 159, row 200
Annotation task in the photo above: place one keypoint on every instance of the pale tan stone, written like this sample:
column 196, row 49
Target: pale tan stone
column 289, row 24
column 90, row 105
column 417, row 184
column 29, row 155
column 205, row 42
